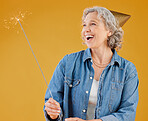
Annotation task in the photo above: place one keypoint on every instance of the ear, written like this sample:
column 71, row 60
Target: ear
column 109, row 33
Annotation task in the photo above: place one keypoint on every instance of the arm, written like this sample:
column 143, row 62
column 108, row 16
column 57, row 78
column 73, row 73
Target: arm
column 56, row 86
column 79, row 119
column 129, row 101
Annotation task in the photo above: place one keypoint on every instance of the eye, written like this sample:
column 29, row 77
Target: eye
column 93, row 23
column 84, row 25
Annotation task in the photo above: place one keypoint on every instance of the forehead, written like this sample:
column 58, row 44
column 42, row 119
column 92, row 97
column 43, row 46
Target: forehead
column 93, row 16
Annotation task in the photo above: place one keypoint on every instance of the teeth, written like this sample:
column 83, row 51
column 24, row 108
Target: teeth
column 89, row 36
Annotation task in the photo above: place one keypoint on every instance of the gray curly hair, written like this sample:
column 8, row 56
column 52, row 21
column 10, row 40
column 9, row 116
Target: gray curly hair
column 115, row 40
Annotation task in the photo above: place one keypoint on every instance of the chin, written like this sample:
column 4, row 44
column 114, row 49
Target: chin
column 91, row 46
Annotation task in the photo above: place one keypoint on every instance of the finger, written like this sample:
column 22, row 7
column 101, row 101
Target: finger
column 71, row 119
column 52, row 114
column 52, row 106
column 52, row 110
column 54, row 101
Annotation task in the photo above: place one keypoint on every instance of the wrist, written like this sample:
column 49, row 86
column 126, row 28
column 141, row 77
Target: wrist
column 54, row 117
column 95, row 120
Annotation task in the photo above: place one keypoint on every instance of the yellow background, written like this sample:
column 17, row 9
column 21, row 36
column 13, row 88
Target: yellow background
column 54, row 30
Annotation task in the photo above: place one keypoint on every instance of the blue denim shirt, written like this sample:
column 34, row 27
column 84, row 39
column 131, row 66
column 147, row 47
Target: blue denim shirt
column 117, row 92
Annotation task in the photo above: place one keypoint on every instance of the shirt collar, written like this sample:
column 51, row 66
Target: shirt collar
column 87, row 54
column 116, row 59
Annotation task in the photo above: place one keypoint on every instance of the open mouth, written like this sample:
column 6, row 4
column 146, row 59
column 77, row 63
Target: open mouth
column 89, row 37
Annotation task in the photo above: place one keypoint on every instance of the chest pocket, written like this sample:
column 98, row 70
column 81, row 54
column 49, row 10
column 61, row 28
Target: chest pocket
column 71, row 82
column 71, row 86
column 117, row 85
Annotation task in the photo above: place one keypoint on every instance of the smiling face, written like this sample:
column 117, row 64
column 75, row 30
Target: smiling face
column 94, row 32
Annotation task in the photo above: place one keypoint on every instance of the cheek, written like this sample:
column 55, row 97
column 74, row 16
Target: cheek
column 82, row 33
column 102, row 34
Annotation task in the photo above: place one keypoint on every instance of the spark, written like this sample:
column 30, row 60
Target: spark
column 13, row 21
column 18, row 19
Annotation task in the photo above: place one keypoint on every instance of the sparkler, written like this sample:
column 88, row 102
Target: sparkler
column 10, row 24
column 34, row 55
column 36, row 61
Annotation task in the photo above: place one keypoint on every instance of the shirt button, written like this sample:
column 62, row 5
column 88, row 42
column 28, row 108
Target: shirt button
column 84, row 111
column 90, row 77
column 70, row 85
column 91, row 60
column 86, row 92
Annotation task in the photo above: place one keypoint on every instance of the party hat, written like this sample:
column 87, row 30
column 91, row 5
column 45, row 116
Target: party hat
column 121, row 17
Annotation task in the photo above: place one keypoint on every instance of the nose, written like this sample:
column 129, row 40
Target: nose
column 87, row 29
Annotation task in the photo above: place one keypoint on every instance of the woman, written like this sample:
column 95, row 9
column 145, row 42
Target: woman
column 96, row 83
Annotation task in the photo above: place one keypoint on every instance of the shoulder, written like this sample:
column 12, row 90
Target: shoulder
column 123, row 63
column 75, row 54
column 72, row 57
column 129, row 68
column 127, row 64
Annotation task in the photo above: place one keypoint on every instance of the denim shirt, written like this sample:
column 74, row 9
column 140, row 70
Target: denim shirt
column 117, row 93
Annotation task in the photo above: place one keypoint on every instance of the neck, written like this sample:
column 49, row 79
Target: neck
column 102, row 55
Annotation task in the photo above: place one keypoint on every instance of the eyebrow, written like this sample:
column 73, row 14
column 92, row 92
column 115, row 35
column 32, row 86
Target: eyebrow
column 90, row 21
column 93, row 21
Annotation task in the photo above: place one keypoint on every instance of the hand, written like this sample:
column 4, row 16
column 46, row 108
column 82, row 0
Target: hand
column 79, row 119
column 74, row 119
column 52, row 108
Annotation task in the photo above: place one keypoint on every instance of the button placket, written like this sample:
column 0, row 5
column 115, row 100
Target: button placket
column 84, row 111
column 70, row 85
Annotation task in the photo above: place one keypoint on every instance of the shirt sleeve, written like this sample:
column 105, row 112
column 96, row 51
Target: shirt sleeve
column 129, row 101
column 56, row 86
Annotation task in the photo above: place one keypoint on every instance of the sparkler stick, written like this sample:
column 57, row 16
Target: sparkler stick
column 34, row 56
column 37, row 62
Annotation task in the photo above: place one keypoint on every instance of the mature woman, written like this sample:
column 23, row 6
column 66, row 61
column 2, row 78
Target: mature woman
column 96, row 83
